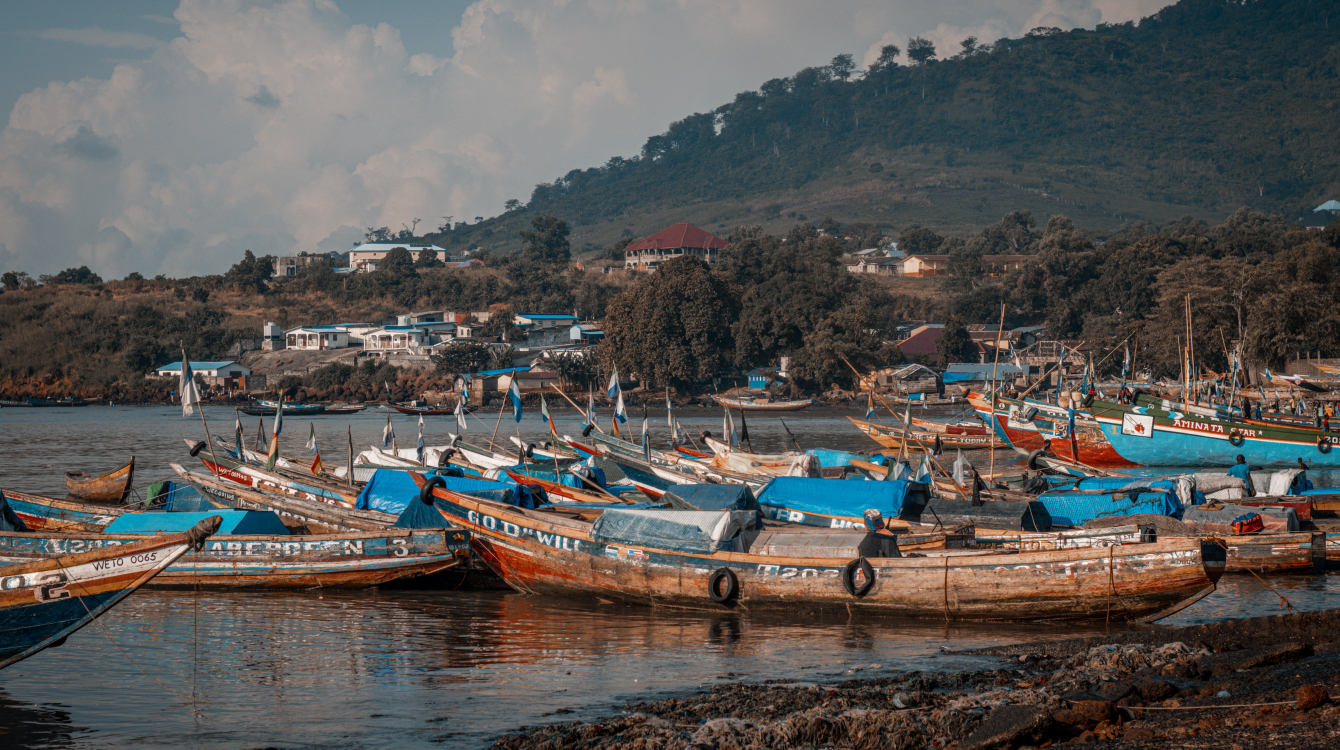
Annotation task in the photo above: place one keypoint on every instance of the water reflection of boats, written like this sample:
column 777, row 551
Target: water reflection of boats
column 45, row 597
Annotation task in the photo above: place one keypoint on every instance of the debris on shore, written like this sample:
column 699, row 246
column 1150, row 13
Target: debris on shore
column 1253, row 683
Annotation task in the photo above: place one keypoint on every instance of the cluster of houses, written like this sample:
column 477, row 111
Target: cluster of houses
column 369, row 256
column 890, row 261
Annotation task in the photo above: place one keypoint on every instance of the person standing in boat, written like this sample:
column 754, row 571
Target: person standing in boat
column 1244, row 472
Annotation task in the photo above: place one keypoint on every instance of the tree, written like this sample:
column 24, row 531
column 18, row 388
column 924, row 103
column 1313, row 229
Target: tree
column 954, row 344
column 969, row 47
column 887, row 60
column 548, row 242
column 80, row 275
column 427, row 259
column 842, row 67
column 134, row 276
column 251, row 273
column 461, row 357
column 200, row 294
column 511, row 205
column 377, row 234
column 398, row 262
column 673, row 326
column 919, row 241
column 920, row 51
column 13, row 281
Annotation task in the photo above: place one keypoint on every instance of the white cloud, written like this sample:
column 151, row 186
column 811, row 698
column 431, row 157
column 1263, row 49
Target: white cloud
column 279, row 126
column 100, row 38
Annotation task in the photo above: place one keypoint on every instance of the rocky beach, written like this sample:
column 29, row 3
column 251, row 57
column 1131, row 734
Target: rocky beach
column 1260, row 682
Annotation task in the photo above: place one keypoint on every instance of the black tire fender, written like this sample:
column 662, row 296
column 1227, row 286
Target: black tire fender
column 849, row 577
column 1323, row 444
column 530, row 451
column 195, row 449
column 1033, row 458
column 426, row 494
column 1235, row 438
column 714, row 590
column 586, row 431
column 1087, row 401
column 444, row 459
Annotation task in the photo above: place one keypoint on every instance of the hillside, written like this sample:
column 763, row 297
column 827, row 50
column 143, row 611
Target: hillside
column 1203, row 108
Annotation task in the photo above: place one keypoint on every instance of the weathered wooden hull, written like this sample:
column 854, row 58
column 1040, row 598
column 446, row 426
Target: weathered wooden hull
column 1089, row 448
column 249, row 476
column 1274, row 554
column 310, row 516
column 112, row 487
column 892, row 437
column 45, row 599
column 351, row 560
column 558, row 557
column 49, row 514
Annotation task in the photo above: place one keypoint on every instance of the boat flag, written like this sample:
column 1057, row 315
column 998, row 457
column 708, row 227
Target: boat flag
column 311, row 437
column 590, row 409
column 514, row 393
column 613, row 389
column 923, row 475
column 388, row 433
column 620, row 411
column 646, row 448
column 1126, row 363
column 273, row 455
column 725, row 425
column 239, row 442
column 1071, row 431
column 734, row 438
column 870, row 405
column 460, row 415
column 669, row 415
column 418, row 448
column 260, row 432
column 190, row 394
column 1270, row 377
column 317, row 467
column 681, row 434
column 1018, row 364
column 544, row 412
column 465, row 392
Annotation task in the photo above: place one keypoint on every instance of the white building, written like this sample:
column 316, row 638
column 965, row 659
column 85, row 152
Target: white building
column 368, row 256
column 316, row 338
column 390, row 339
column 229, row 374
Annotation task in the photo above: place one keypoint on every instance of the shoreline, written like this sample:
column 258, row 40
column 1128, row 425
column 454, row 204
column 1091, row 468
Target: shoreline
column 1260, row 682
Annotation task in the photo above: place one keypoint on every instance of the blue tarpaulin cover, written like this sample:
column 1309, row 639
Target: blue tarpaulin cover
column 829, row 457
column 1070, row 508
column 391, row 491
column 714, row 496
column 261, row 522
column 960, row 377
column 8, row 520
column 834, row 497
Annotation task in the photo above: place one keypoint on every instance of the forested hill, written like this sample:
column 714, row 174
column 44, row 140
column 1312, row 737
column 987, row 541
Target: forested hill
column 1207, row 106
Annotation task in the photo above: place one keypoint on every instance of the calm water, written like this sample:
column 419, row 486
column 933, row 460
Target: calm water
column 423, row 668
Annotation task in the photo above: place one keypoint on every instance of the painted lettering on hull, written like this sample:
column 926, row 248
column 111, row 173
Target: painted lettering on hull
column 515, row 531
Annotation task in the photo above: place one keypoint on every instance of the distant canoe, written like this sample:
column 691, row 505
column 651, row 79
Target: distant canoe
column 266, row 408
column 752, row 405
column 67, row 401
column 891, row 437
column 46, row 599
column 112, row 487
column 427, row 411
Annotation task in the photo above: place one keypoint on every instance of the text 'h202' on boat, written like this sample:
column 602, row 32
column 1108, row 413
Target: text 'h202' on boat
column 45, row 599
column 721, row 560
column 254, row 549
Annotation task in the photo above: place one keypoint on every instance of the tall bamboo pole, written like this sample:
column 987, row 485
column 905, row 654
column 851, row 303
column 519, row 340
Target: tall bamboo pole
column 994, row 366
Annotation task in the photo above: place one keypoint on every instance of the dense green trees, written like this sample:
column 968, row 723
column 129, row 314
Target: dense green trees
column 673, row 326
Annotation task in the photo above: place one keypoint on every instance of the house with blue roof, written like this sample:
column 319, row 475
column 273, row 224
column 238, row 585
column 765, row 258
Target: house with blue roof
column 229, row 374
column 316, row 338
column 532, row 321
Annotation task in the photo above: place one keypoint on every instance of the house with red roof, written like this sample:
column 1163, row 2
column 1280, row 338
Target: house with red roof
column 673, row 242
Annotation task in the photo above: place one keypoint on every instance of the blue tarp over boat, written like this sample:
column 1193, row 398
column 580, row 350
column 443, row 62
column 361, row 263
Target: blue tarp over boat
column 713, row 496
column 258, row 522
column 836, row 497
column 679, row 530
column 829, row 457
column 1073, row 508
column 391, row 491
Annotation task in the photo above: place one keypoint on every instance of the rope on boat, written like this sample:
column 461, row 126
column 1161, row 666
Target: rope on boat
column 1285, row 601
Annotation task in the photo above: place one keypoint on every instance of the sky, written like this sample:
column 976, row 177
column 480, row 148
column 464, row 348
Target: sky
column 169, row 137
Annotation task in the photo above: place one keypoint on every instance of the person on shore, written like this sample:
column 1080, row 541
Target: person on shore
column 1244, row 472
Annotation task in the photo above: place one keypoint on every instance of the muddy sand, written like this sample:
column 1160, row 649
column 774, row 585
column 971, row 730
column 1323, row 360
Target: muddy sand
column 1262, row 682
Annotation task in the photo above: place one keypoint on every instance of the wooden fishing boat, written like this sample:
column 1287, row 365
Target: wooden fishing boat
column 44, row 599
column 50, row 514
column 299, row 514
column 1274, row 554
column 264, row 408
column 67, row 401
column 427, row 411
column 112, row 487
column 359, row 559
column 751, row 404
column 892, row 437
column 562, row 491
column 246, row 475
column 542, row 553
column 1028, row 426
column 949, row 428
column 1078, row 539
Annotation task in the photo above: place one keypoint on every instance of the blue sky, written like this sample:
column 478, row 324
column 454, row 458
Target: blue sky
column 168, row 137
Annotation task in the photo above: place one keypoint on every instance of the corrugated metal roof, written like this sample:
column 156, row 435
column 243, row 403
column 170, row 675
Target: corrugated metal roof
column 529, row 316
column 198, row 365
column 679, row 236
